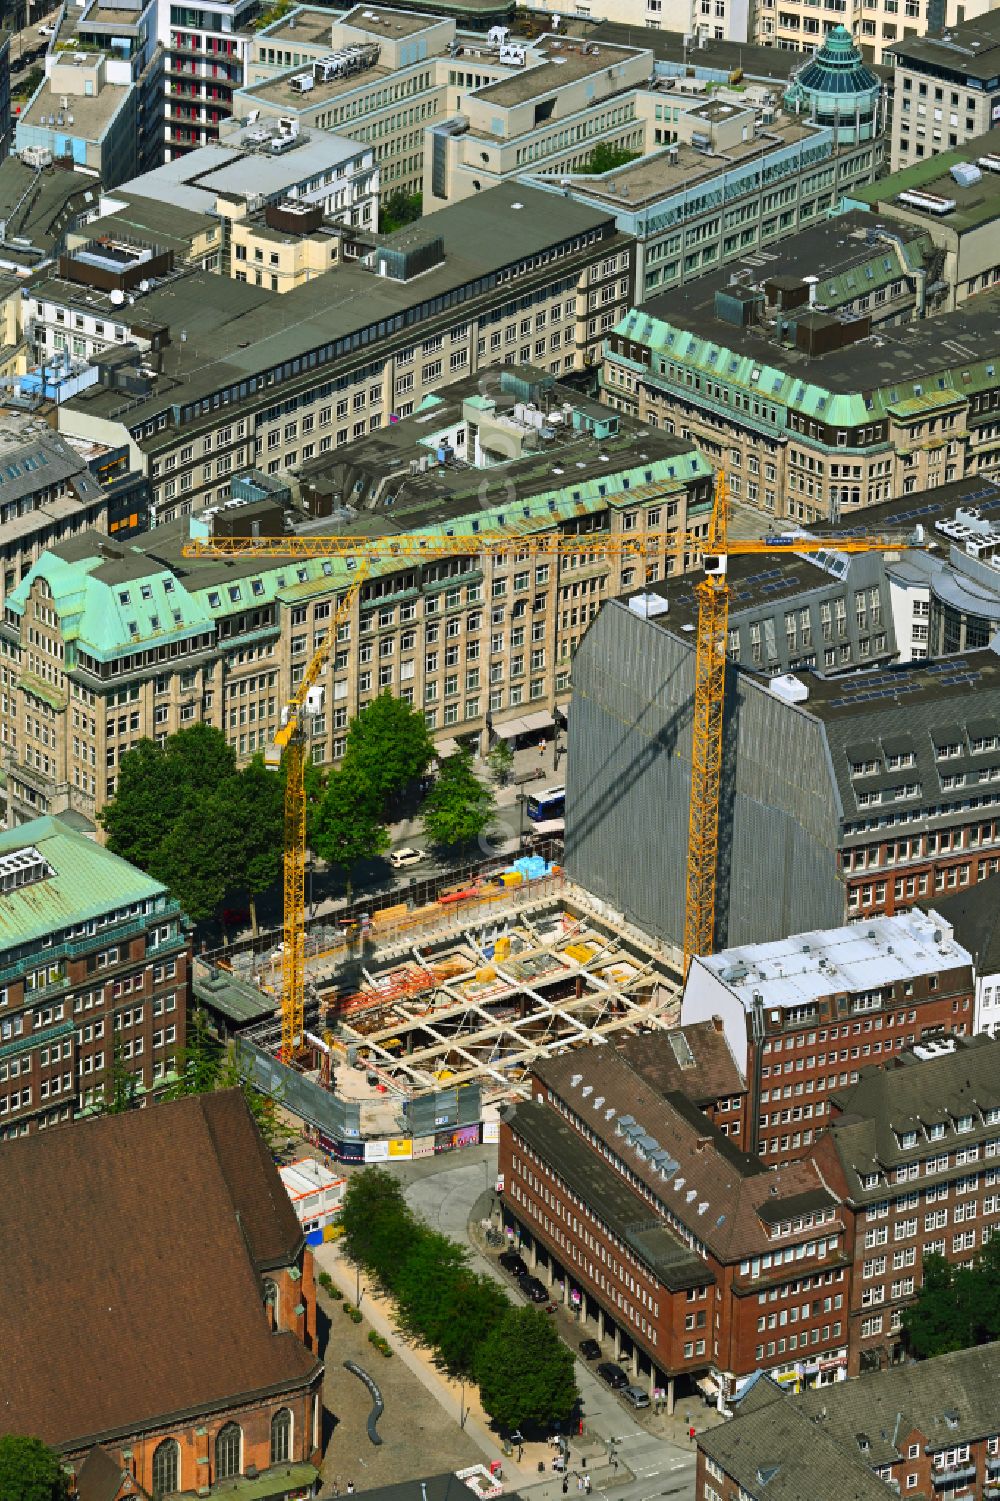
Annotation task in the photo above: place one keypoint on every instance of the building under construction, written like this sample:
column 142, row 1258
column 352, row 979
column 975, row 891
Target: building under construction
column 431, row 1019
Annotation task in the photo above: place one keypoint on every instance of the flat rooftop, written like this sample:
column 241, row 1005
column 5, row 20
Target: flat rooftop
column 382, row 22
column 904, row 351
column 305, row 25
column 971, row 50
column 194, row 181
column 762, row 583
column 481, row 235
column 801, row 969
column 91, row 116
column 681, row 167
column 975, row 205
column 279, row 91
column 564, row 62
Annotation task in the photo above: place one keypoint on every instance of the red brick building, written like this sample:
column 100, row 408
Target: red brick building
column 166, row 1310
column 805, row 1015
column 687, row 1253
column 913, row 1151
column 93, row 952
column 930, row 1429
column 697, row 1061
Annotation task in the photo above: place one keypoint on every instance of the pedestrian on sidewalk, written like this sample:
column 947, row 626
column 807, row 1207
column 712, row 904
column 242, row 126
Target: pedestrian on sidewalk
column 350, row 1487
column 586, row 1484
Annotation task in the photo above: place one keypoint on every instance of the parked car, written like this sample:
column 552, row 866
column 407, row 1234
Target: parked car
column 613, row 1375
column 533, row 1290
column 590, row 1349
column 513, row 1263
column 404, row 858
column 635, row 1396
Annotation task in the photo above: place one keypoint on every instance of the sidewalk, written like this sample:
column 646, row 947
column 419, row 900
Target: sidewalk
column 522, row 1473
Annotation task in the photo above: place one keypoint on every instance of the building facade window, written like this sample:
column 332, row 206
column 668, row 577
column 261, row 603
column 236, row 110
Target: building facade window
column 166, row 1468
column 228, row 1451
column 281, row 1436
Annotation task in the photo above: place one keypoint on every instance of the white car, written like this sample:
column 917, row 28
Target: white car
column 46, row 30
column 404, row 858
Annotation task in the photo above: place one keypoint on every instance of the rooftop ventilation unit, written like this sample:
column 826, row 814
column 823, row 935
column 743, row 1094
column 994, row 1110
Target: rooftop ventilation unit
column 927, row 203
column 23, row 868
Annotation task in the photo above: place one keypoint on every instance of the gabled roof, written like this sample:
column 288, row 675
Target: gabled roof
column 717, row 1192
column 949, row 1400
column 141, row 1298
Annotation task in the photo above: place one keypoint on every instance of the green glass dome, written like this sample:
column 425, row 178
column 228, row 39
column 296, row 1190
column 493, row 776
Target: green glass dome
column 837, row 77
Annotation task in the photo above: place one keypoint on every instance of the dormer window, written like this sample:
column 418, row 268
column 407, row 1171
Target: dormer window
column 963, row 1123
column 907, row 1139
column 935, row 1132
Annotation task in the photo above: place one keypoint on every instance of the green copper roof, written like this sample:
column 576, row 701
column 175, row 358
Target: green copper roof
column 87, row 881
column 108, row 620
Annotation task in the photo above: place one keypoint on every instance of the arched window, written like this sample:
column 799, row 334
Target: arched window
column 228, row 1451
column 271, row 1302
column 281, row 1436
column 166, row 1468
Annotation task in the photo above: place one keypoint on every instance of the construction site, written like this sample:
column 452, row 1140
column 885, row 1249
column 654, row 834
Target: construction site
column 422, row 1004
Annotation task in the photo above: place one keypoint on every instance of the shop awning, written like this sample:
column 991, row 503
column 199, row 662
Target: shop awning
column 707, row 1386
column 511, row 729
column 540, row 720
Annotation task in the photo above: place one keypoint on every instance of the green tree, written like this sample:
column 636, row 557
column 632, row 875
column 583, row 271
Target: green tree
column 606, row 158
column 525, row 1372
column 458, row 807
column 347, row 826
column 256, row 798
column 424, row 1283
column 29, row 1471
column 170, row 816
column 501, row 762
column 199, row 1063
column 379, row 1229
column 120, row 1086
column 263, row 1107
column 957, row 1306
column 388, row 747
column 473, row 1308
column 398, row 209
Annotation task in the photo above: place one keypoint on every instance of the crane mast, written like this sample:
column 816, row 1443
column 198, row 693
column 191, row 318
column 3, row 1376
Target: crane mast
column 361, row 554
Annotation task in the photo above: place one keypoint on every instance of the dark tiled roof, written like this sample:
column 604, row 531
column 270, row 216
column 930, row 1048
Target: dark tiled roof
column 715, row 1190
column 157, row 1221
column 975, row 916
column 950, row 1400
column 704, row 1071
column 773, row 1450
column 604, row 1192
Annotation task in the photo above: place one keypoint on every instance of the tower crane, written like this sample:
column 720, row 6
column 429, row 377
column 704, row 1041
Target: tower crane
column 362, row 553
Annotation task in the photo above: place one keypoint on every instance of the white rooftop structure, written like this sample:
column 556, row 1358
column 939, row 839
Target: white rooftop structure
column 196, row 180
column 799, row 971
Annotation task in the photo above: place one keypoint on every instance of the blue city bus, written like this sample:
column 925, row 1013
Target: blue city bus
column 547, row 804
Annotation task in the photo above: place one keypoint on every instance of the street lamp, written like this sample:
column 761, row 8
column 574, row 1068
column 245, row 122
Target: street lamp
column 462, row 1411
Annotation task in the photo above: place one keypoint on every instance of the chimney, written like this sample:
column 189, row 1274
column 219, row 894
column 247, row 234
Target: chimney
column 717, row 1023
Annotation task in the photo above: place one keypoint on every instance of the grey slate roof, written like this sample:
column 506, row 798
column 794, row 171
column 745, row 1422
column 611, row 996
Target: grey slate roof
column 949, row 1400
column 776, row 1453
column 909, row 1094
column 975, row 916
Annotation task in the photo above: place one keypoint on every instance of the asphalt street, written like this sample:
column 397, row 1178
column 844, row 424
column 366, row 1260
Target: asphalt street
column 445, row 1193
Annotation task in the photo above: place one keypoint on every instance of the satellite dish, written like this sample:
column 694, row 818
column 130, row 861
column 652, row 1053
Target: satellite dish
column 117, row 297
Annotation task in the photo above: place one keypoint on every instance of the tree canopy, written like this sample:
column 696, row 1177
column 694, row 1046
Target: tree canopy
column 388, row 747
column 458, row 807
column 525, row 1372
column 29, row 1471
column 465, row 1318
column 606, row 158
column 347, row 826
column 957, row 1306
column 185, row 813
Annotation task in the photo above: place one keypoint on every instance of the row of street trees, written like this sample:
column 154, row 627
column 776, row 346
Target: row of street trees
column 524, row 1372
column 184, row 811
column 957, row 1306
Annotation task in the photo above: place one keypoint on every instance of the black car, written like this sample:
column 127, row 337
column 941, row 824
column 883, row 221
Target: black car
column 590, row 1349
column 513, row 1263
column 612, row 1374
column 533, row 1289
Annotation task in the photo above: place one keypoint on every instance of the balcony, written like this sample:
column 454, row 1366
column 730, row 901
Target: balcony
column 953, row 1475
